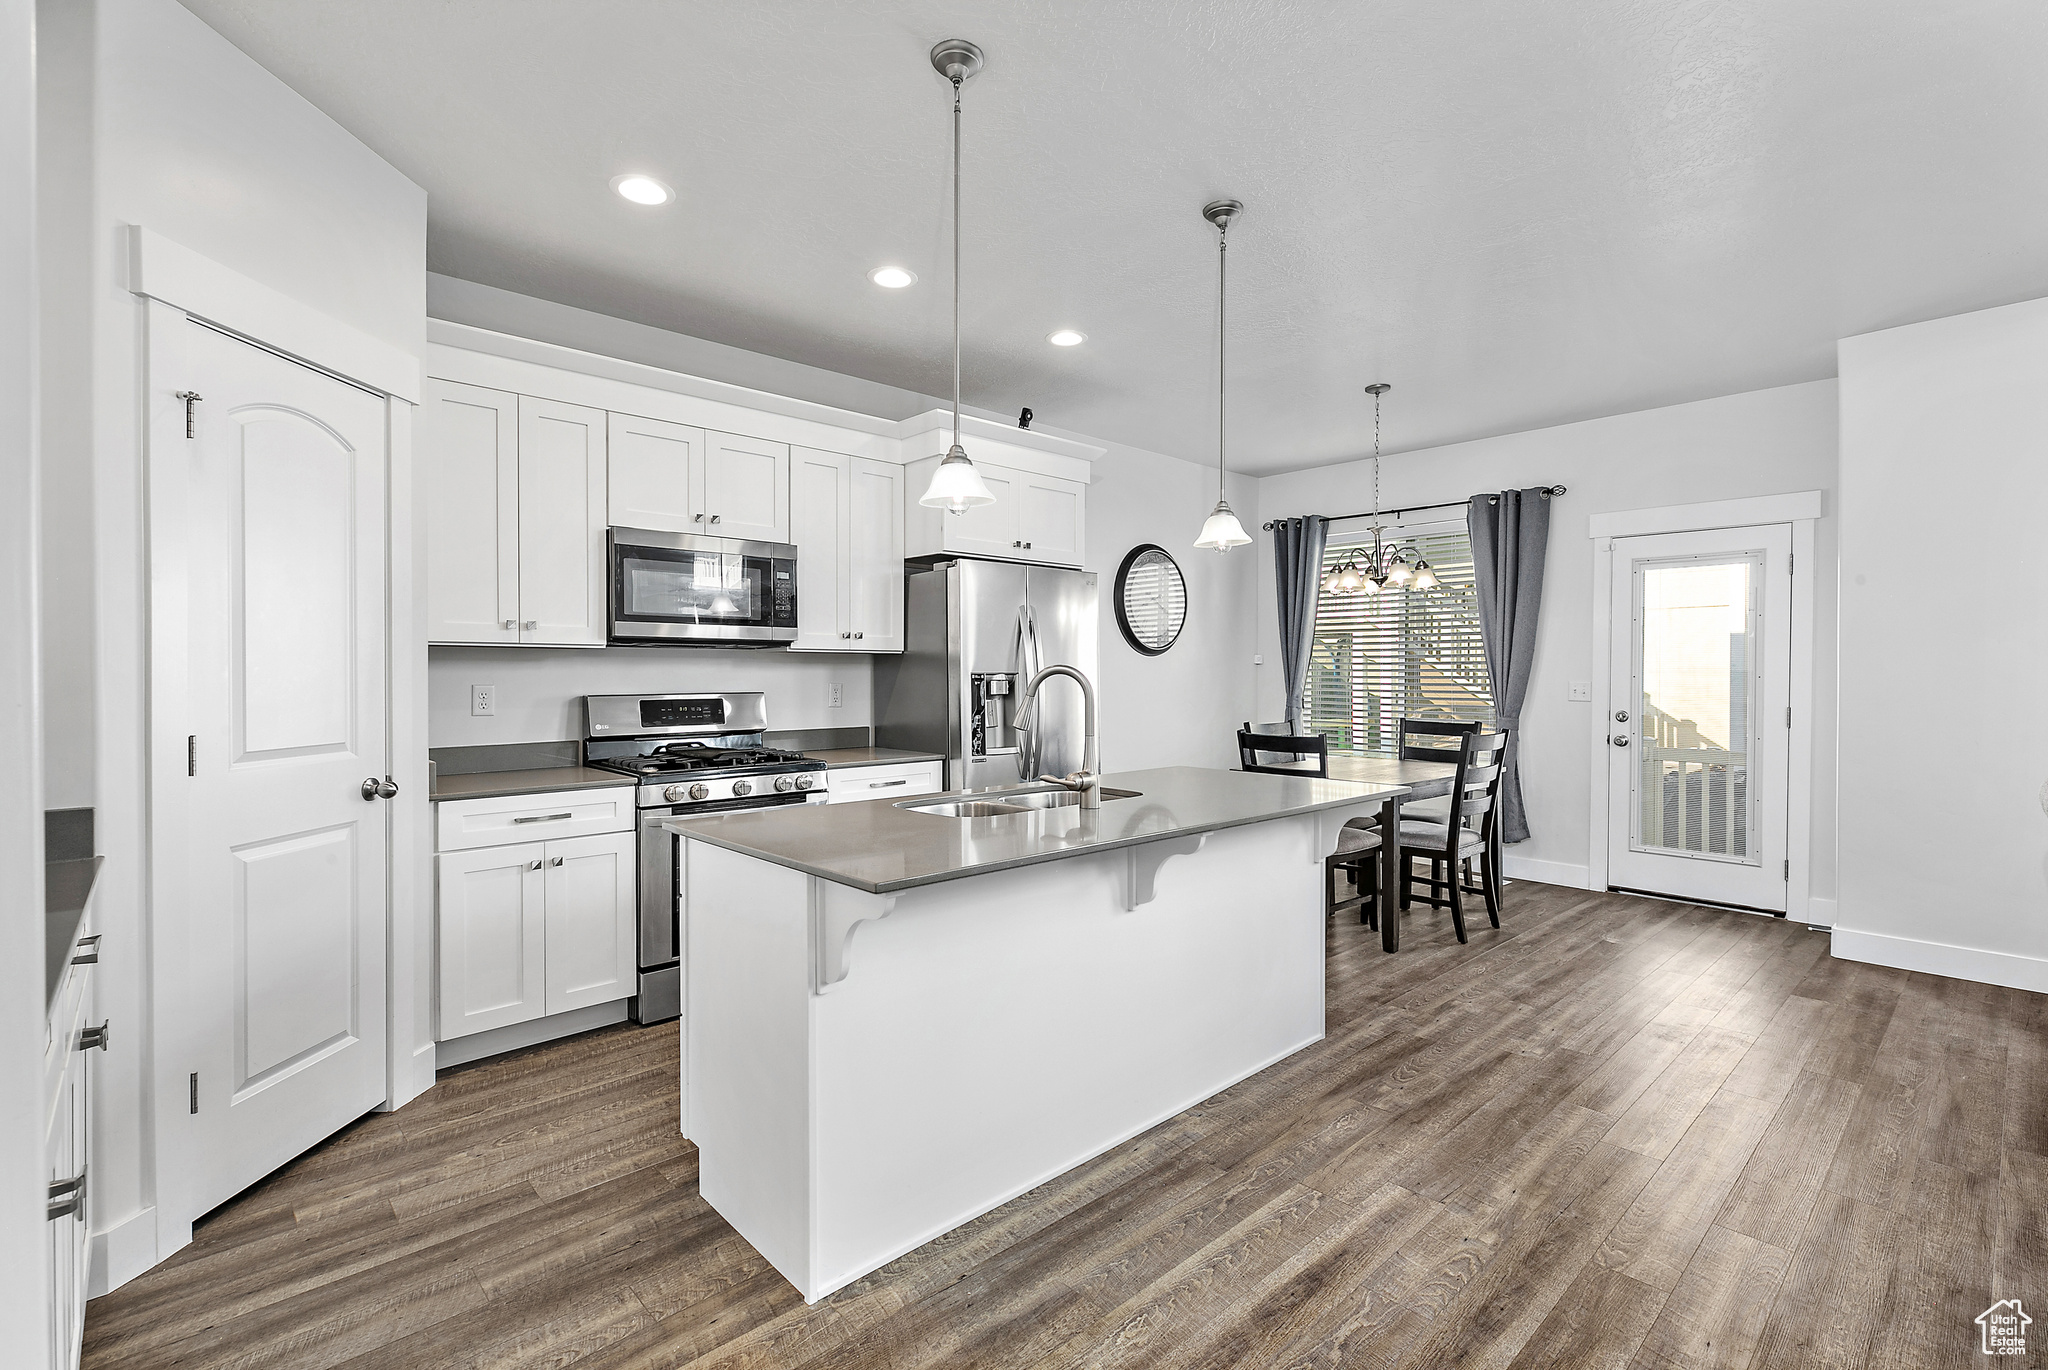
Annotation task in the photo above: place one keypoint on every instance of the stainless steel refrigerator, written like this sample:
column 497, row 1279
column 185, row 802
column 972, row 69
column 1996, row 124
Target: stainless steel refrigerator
column 975, row 632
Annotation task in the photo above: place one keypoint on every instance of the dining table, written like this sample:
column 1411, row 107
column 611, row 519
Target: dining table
column 1421, row 780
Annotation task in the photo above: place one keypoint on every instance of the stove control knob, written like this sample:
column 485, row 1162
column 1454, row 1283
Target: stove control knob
column 804, row 782
column 700, row 791
column 742, row 787
column 673, row 793
column 784, row 783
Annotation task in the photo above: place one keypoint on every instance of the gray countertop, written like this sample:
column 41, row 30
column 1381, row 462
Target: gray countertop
column 492, row 784
column 67, row 889
column 878, row 847
column 839, row 758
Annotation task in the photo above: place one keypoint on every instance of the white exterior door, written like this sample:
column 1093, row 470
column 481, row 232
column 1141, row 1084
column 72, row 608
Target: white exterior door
column 1699, row 717
column 282, row 929
column 744, row 488
column 469, row 454
column 492, row 907
column 561, row 524
column 592, row 945
column 819, row 524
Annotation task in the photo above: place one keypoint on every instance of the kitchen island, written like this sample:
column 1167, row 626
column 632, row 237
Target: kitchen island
column 899, row 1016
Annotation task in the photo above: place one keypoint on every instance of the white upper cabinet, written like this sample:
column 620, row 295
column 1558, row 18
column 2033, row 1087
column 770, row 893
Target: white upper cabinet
column 561, row 524
column 515, row 518
column 652, row 469
column 742, row 489
column 820, row 515
column 1034, row 518
column 875, row 596
column 469, row 449
column 846, row 518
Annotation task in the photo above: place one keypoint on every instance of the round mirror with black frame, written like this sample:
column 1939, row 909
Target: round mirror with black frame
column 1151, row 599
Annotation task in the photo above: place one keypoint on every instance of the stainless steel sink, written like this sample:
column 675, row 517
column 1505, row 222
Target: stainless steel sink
column 1062, row 799
column 998, row 803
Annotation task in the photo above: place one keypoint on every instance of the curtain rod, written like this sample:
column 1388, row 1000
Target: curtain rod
column 1547, row 491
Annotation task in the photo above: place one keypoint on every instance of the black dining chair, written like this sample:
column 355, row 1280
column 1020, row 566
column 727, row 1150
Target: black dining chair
column 1432, row 739
column 1358, row 856
column 1253, row 742
column 1466, row 836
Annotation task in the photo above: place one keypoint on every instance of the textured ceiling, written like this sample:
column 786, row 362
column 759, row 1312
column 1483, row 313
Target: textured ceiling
column 1518, row 214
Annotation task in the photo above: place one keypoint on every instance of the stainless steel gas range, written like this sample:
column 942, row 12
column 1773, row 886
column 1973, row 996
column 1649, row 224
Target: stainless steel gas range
column 692, row 753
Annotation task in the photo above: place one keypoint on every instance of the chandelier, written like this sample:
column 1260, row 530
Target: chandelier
column 1387, row 564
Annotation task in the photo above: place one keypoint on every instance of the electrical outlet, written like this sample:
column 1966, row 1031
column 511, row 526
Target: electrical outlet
column 1582, row 691
column 835, row 696
column 483, row 701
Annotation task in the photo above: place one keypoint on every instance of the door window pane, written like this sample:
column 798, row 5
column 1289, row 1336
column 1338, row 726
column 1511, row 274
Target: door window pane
column 1695, row 653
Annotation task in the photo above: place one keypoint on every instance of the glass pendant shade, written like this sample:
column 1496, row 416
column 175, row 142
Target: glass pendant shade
column 956, row 485
column 1222, row 531
column 1399, row 572
column 1425, row 578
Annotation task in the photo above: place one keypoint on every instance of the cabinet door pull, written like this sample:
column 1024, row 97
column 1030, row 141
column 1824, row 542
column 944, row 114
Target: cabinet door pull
column 88, row 1038
column 530, row 624
column 885, row 784
column 543, row 817
column 860, row 634
column 91, row 943
column 846, row 635
column 533, row 865
column 509, row 624
column 1027, row 546
column 87, row 958
column 67, row 1197
column 715, row 518
column 556, row 862
column 699, row 518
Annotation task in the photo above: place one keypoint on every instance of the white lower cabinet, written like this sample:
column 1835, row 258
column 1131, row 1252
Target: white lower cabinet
column 529, row 929
column 895, row 780
column 67, row 1097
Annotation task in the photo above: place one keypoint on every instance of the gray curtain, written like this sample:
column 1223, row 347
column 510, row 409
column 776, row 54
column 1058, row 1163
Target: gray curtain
column 1510, row 531
column 1298, row 573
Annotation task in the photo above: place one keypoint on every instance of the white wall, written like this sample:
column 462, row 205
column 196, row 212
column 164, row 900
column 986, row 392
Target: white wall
column 24, row 1286
column 195, row 141
column 1760, row 443
column 1944, row 435
column 1180, row 708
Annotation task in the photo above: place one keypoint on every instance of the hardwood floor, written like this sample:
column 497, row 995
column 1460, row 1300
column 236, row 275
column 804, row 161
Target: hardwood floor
column 1617, row 1132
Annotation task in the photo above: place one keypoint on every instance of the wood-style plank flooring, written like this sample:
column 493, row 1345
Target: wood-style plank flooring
column 1618, row 1132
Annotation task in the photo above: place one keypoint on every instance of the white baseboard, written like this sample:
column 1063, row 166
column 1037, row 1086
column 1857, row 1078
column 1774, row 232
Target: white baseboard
column 462, row 1050
column 1939, row 958
column 122, row 1252
column 1543, row 872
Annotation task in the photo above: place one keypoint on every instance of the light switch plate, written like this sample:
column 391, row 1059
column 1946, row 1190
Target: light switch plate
column 835, row 696
column 483, row 701
column 1582, row 691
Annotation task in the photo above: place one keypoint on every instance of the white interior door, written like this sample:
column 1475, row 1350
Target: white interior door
column 283, row 923
column 1698, row 715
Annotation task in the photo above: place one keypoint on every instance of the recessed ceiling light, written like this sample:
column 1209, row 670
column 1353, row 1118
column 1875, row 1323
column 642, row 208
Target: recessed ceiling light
column 893, row 277
column 642, row 190
column 1066, row 337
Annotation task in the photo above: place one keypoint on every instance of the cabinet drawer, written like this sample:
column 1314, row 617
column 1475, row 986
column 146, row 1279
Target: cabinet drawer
column 898, row 781
column 465, row 823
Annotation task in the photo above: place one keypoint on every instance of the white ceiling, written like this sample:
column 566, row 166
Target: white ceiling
column 1518, row 214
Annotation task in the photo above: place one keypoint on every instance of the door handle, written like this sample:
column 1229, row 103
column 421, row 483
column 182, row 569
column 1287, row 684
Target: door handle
column 543, row 817
column 88, row 1038
column 885, row 784
column 373, row 788
column 1619, row 739
column 1621, row 715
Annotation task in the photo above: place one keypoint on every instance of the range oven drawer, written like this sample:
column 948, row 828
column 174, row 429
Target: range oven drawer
column 464, row 823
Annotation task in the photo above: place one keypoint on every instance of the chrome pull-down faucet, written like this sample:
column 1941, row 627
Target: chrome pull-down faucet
column 1087, row 780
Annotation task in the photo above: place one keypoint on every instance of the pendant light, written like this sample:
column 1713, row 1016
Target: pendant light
column 956, row 486
column 1222, row 531
column 1386, row 566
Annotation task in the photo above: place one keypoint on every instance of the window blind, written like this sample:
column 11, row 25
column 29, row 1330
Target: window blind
column 1398, row 654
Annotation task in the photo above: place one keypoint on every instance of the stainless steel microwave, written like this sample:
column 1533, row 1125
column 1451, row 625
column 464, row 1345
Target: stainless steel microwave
column 681, row 589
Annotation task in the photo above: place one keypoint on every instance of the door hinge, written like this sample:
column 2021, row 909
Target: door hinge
column 1788, row 870
column 195, row 1091
column 192, row 754
column 1790, row 557
column 1788, row 715
column 190, row 397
